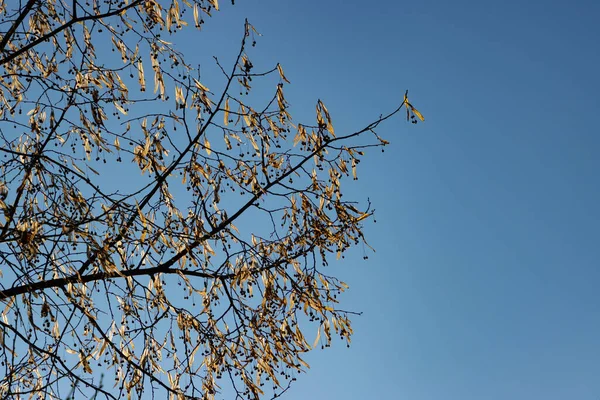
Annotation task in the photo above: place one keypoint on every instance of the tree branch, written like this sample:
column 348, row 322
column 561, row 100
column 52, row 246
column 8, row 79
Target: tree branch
column 16, row 24
column 61, row 28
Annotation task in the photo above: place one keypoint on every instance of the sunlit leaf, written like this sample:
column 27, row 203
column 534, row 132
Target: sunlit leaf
column 417, row 113
column 281, row 74
column 214, row 3
column 226, row 112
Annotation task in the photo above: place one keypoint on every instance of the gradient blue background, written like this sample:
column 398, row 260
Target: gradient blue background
column 485, row 281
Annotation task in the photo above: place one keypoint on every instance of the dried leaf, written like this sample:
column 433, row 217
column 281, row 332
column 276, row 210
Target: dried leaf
column 226, row 112
column 417, row 113
column 214, row 3
column 281, row 74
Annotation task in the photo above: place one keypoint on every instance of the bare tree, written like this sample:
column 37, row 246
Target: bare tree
column 160, row 238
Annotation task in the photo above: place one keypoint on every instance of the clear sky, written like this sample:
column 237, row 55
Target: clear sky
column 485, row 281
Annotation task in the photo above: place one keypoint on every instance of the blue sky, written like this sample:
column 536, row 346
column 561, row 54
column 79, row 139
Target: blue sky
column 484, row 283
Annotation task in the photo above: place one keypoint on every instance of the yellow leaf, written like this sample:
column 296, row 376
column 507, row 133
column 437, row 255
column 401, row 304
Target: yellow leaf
column 253, row 142
column 215, row 4
column 196, row 20
column 207, row 146
column 247, row 119
column 141, row 215
column 56, row 330
column 226, row 113
column 77, row 168
column 320, row 119
column 200, row 86
column 207, row 248
column 303, row 362
column 324, row 109
column 255, row 31
column 317, row 339
column 417, row 113
column 281, row 73
column 120, row 108
column 365, row 215
column 83, row 360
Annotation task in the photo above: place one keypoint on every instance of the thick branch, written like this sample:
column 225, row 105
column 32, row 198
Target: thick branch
column 61, row 28
column 16, row 24
column 99, row 276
